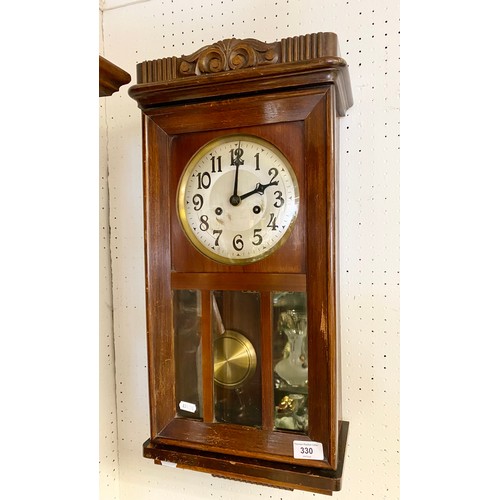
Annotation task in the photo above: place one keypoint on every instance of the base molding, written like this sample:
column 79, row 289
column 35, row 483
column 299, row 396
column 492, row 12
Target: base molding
column 275, row 474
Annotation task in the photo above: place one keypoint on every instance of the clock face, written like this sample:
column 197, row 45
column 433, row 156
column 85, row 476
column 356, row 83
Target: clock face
column 238, row 199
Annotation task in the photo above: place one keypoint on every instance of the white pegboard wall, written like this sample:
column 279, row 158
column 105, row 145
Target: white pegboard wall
column 108, row 427
column 368, row 33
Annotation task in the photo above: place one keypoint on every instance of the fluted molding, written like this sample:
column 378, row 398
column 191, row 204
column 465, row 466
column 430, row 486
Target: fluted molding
column 234, row 54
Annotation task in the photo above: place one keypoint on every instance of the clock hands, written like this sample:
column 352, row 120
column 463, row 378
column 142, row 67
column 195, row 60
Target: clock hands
column 259, row 188
column 237, row 161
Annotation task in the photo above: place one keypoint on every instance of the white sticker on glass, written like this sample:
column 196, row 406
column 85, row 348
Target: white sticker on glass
column 190, row 407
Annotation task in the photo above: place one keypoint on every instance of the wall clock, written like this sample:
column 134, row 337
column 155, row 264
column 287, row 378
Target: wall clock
column 240, row 194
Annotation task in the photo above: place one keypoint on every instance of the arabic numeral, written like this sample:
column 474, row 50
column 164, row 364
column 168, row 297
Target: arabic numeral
column 308, row 450
column 273, row 172
column 204, row 223
column 258, row 238
column 204, row 180
column 257, row 161
column 272, row 222
column 217, row 233
column 238, row 242
column 279, row 199
column 217, row 159
column 197, row 202
column 236, row 155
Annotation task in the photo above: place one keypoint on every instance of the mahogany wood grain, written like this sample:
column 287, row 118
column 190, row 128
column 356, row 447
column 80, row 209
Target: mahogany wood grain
column 293, row 101
column 158, row 290
column 276, row 446
column 234, row 66
column 290, row 258
column 319, row 334
column 207, row 363
column 248, row 111
column 111, row 77
column 234, row 54
column 258, row 471
column 248, row 281
column 252, row 81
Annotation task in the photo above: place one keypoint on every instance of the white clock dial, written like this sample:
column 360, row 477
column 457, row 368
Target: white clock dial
column 238, row 199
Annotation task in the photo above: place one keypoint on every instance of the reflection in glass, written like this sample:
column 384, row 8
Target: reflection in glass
column 290, row 360
column 188, row 369
column 236, row 345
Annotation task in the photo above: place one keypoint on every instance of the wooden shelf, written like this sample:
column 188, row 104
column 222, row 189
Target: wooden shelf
column 111, row 77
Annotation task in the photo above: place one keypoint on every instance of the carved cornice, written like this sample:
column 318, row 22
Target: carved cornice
column 233, row 54
column 236, row 67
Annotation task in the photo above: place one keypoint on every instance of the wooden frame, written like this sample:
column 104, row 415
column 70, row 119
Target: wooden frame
column 295, row 106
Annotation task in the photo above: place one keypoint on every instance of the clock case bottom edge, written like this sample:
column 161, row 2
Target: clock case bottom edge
column 285, row 476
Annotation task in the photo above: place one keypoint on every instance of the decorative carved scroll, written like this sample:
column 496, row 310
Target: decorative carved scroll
column 229, row 55
column 233, row 54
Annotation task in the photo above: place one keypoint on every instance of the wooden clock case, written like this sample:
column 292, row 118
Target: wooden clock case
column 291, row 94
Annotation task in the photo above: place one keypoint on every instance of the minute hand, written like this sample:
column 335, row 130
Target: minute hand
column 259, row 188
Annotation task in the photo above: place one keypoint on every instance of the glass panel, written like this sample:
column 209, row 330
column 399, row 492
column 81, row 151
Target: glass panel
column 236, row 344
column 290, row 360
column 187, row 345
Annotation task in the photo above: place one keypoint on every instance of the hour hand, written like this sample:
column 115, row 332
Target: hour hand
column 259, row 188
